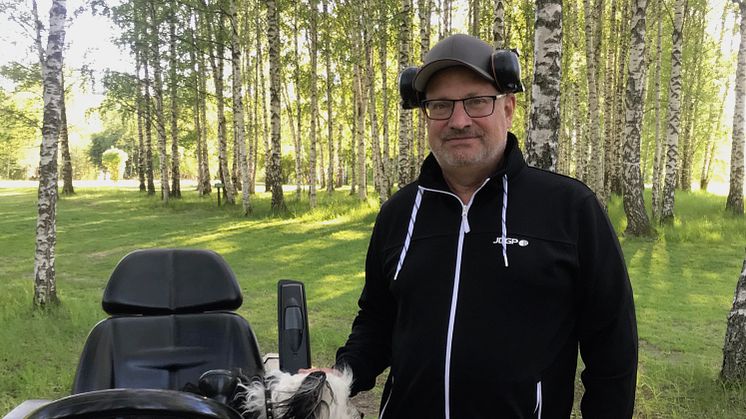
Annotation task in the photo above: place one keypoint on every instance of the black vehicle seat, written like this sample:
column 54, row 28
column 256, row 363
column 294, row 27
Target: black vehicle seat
column 171, row 319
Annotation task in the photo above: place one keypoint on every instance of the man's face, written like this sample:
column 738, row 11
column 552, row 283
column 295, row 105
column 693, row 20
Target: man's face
column 462, row 142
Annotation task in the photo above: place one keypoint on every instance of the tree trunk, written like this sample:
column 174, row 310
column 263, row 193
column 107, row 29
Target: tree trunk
column 45, row 285
column 616, row 182
column 160, row 124
column 638, row 223
column 377, row 160
column 658, row 158
column 734, row 203
column 446, row 17
column 544, row 119
column 405, row 115
column 275, row 169
column 196, row 112
column 592, row 50
column 207, row 185
column 298, row 114
column 67, row 166
column 314, row 41
column 175, row 172
column 674, row 108
column 388, row 163
column 734, row 348
column 498, row 25
column 148, row 131
column 329, row 100
column 611, row 63
column 360, row 106
column 239, row 125
column 423, row 10
column 140, row 117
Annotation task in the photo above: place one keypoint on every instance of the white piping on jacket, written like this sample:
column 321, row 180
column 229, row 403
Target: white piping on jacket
column 388, row 399
column 408, row 239
column 539, row 402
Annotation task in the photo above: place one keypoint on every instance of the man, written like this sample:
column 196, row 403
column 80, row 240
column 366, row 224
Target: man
column 485, row 275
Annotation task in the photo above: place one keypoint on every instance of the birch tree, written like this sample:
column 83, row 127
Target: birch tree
column 239, row 125
column 592, row 49
column 314, row 41
column 140, row 123
column 638, row 223
column 329, row 100
column 405, row 115
column 498, row 25
column 45, row 283
column 173, row 88
column 158, row 91
column 674, row 110
column 658, row 158
column 67, row 167
column 734, row 348
column 734, row 203
column 544, row 119
column 275, row 169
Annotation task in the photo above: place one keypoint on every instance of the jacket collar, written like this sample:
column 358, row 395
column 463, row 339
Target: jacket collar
column 431, row 174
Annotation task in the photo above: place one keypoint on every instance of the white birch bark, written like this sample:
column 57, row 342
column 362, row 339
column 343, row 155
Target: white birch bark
column 378, row 172
column 140, row 117
column 175, row 172
column 296, row 80
column 674, row 108
column 658, row 157
column 592, row 49
column 734, row 348
column 45, row 285
column 405, row 115
column 498, row 25
column 734, row 203
column 158, row 92
column 542, row 140
column 239, row 124
column 275, row 172
column 329, row 99
column 360, row 104
column 638, row 223
column 314, row 41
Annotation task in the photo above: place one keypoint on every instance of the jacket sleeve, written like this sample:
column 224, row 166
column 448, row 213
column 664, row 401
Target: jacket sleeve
column 368, row 349
column 607, row 324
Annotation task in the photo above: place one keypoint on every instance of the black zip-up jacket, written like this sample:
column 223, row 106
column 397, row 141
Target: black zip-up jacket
column 479, row 308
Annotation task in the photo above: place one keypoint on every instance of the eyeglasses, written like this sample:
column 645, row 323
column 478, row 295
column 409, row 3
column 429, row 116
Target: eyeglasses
column 475, row 107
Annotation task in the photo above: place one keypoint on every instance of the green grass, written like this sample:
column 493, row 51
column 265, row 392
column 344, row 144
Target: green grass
column 683, row 283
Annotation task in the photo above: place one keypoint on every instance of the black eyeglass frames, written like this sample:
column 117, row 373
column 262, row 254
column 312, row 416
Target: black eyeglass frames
column 475, row 107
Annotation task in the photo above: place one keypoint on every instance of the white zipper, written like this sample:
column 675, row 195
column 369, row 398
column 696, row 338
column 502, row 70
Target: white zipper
column 463, row 229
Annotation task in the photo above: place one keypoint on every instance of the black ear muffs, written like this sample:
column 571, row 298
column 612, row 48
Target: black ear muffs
column 410, row 98
column 506, row 71
column 505, row 68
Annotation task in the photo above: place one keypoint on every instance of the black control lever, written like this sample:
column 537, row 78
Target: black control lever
column 292, row 321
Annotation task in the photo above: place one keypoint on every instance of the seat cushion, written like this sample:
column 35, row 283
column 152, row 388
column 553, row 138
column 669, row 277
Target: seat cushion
column 165, row 352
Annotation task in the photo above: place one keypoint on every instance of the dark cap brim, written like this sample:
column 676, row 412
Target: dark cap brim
column 426, row 72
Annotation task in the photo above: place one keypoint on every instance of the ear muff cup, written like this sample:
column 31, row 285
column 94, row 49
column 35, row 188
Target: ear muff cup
column 410, row 98
column 505, row 70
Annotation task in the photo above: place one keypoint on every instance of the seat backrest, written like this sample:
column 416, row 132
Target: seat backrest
column 171, row 319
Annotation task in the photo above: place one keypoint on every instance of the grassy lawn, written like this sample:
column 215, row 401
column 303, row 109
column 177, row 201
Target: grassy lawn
column 683, row 282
